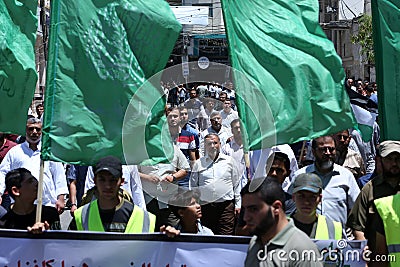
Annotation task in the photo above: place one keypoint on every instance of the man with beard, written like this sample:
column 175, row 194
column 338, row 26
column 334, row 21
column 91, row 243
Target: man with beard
column 217, row 178
column 27, row 155
column 215, row 128
column 346, row 156
column 340, row 189
column 362, row 218
column 277, row 241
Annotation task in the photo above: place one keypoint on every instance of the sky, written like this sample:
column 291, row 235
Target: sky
column 357, row 6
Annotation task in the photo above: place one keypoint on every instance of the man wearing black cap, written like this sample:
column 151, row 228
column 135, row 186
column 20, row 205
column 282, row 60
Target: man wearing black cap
column 110, row 212
column 307, row 189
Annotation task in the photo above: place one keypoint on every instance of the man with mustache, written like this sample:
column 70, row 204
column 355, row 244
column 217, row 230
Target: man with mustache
column 27, row 155
column 276, row 240
column 217, row 178
column 339, row 187
column 215, row 128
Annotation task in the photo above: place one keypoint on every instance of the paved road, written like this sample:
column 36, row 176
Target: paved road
column 65, row 218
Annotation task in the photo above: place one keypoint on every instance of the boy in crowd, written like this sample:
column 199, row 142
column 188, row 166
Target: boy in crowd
column 110, row 212
column 22, row 187
column 307, row 194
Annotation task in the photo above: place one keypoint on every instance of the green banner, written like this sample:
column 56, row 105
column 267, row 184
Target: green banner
column 18, row 25
column 295, row 78
column 386, row 29
column 101, row 53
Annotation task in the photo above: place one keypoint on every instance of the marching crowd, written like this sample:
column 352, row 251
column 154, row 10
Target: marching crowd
column 332, row 187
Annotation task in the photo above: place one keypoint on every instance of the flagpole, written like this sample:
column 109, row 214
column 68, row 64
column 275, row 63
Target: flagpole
column 302, row 151
column 40, row 193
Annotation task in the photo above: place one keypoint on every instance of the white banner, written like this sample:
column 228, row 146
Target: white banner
column 78, row 249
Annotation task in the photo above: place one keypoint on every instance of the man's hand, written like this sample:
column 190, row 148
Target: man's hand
column 73, row 209
column 237, row 212
column 39, row 227
column 153, row 179
column 60, row 204
column 169, row 231
column 169, row 178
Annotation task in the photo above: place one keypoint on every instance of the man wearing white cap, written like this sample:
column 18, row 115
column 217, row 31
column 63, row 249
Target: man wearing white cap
column 362, row 218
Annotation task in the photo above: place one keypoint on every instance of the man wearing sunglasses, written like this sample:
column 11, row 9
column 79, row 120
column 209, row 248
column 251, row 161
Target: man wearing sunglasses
column 27, row 155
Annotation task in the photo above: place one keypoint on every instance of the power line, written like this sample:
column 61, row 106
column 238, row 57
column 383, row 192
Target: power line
column 349, row 8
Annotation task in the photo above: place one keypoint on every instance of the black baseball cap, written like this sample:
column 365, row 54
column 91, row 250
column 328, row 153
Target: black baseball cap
column 111, row 164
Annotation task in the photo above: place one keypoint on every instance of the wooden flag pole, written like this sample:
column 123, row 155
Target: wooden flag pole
column 39, row 199
column 302, row 151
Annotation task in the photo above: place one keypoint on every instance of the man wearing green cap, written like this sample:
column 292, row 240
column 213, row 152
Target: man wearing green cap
column 307, row 194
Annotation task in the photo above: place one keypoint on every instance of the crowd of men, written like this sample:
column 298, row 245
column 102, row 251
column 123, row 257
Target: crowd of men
column 329, row 188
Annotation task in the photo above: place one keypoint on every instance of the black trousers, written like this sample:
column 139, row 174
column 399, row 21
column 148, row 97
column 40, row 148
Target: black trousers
column 219, row 217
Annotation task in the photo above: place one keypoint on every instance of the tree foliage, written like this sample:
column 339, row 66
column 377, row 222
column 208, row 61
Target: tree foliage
column 364, row 38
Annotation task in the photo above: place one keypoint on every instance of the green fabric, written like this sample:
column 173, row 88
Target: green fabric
column 100, row 54
column 322, row 232
column 386, row 29
column 78, row 219
column 296, row 74
column 95, row 223
column 388, row 208
column 18, row 25
column 133, row 226
column 135, row 223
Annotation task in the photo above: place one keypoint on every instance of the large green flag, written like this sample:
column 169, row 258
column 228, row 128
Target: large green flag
column 289, row 79
column 18, row 25
column 98, row 102
column 386, row 28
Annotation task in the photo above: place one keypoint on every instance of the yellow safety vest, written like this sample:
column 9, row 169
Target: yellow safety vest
column 389, row 210
column 87, row 218
column 328, row 229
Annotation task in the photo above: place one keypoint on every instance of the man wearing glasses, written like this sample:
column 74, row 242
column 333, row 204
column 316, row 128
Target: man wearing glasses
column 339, row 187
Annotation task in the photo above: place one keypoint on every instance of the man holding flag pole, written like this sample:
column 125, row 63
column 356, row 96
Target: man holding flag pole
column 27, row 155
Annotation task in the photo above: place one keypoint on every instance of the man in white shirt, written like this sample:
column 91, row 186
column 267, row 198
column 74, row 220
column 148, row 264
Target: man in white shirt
column 160, row 182
column 216, row 127
column 235, row 149
column 339, row 187
column 27, row 155
column 228, row 114
column 217, row 177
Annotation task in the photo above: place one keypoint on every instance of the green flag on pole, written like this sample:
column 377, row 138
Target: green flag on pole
column 293, row 71
column 386, row 28
column 18, row 25
column 100, row 55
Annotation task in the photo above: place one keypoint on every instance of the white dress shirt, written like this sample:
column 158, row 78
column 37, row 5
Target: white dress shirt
column 217, row 180
column 54, row 179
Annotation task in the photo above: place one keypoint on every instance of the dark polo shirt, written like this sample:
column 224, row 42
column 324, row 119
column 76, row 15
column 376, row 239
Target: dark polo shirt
column 5, row 148
column 363, row 216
